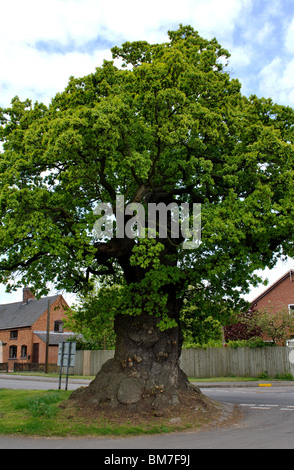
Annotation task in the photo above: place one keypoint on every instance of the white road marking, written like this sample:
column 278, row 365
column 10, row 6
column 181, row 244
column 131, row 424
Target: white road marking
column 253, row 406
column 268, row 405
column 261, row 407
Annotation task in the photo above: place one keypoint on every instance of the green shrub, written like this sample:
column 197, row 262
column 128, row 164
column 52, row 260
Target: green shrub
column 249, row 343
column 210, row 344
column 243, row 343
column 263, row 375
column 285, row 376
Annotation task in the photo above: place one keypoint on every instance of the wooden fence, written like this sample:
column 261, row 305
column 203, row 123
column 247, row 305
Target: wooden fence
column 240, row 362
column 211, row 362
column 90, row 362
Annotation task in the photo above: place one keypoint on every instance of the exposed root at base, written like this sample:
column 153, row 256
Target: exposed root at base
column 193, row 412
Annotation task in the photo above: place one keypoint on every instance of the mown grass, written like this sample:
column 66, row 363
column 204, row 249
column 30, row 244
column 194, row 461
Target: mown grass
column 30, row 411
column 47, row 414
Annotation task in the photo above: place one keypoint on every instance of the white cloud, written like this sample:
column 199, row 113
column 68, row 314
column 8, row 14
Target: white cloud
column 265, row 33
column 277, row 81
column 289, row 38
column 84, row 19
column 30, row 72
column 278, row 76
column 219, row 18
column 240, row 57
column 35, row 74
column 26, row 22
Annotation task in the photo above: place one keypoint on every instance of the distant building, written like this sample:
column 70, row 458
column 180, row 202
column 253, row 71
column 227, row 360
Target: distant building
column 278, row 296
column 23, row 329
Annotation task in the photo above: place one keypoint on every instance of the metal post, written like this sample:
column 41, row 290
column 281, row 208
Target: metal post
column 61, row 364
column 68, row 362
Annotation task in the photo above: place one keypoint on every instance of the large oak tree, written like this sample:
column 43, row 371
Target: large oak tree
column 167, row 124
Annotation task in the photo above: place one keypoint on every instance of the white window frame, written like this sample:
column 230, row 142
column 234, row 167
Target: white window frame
column 291, row 309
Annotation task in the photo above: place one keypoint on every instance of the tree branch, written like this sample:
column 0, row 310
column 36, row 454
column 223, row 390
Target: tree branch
column 22, row 264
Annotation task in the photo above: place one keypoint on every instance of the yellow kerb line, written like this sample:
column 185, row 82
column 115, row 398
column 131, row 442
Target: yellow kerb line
column 265, row 385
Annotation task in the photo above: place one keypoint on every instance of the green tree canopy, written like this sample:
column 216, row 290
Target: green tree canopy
column 173, row 126
column 169, row 125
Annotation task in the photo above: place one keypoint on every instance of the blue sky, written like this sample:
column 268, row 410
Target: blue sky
column 44, row 42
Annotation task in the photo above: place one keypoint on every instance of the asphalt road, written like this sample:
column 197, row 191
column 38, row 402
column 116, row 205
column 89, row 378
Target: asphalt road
column 267, row 423
column 38, row 383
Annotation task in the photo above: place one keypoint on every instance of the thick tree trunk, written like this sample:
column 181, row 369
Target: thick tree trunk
column 145, row 371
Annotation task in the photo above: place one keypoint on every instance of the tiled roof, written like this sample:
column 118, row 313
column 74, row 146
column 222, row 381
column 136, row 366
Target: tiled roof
column 19, row 314
column 54, row 338
column 289, row 273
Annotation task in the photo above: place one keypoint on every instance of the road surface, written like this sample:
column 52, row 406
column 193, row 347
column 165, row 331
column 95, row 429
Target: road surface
column 268, row 423
column 38, row 383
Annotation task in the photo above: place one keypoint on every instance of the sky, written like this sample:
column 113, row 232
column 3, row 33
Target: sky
column 44, row 42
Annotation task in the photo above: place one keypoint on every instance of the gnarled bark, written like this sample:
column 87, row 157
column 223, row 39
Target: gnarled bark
column 145, row 371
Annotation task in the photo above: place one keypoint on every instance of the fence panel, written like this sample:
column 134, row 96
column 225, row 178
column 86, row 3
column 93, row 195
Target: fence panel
column 78, row 368
column 98, row 358
column 90, row 362
column 211, row 362
column 240, row 362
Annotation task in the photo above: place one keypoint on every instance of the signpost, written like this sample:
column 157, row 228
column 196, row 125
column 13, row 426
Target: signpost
column 66, row 358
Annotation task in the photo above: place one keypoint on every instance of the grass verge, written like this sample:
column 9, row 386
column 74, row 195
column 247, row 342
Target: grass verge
column 223, row 379
column 50, row 414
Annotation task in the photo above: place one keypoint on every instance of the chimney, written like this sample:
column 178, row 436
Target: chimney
column 27, row 295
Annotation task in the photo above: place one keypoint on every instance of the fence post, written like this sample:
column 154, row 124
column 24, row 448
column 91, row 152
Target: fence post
column 87, row 363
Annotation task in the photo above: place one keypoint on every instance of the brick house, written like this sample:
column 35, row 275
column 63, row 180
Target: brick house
column 278, row 296
column 23, row 329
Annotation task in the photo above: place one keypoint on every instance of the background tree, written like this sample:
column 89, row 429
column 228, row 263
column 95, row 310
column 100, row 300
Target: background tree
column 243, row 327
column 198, row 327
column 93, row 318
column 170, row 125
column 203, row 317
column 276, row 326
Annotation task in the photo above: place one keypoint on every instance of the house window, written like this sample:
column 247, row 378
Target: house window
column 24, row 351
column 12, row 352
column 13, row 334
column 58, row 326
column 291, row 309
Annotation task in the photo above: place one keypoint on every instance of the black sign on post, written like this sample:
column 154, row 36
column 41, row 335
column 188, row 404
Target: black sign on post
column 66, row 358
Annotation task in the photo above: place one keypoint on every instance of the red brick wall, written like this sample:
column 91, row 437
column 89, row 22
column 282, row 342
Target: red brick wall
column 52, row 352
column 57, row 312
column 27, row 295
column 24, row 337
column 280, row 297
column 27, row 337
